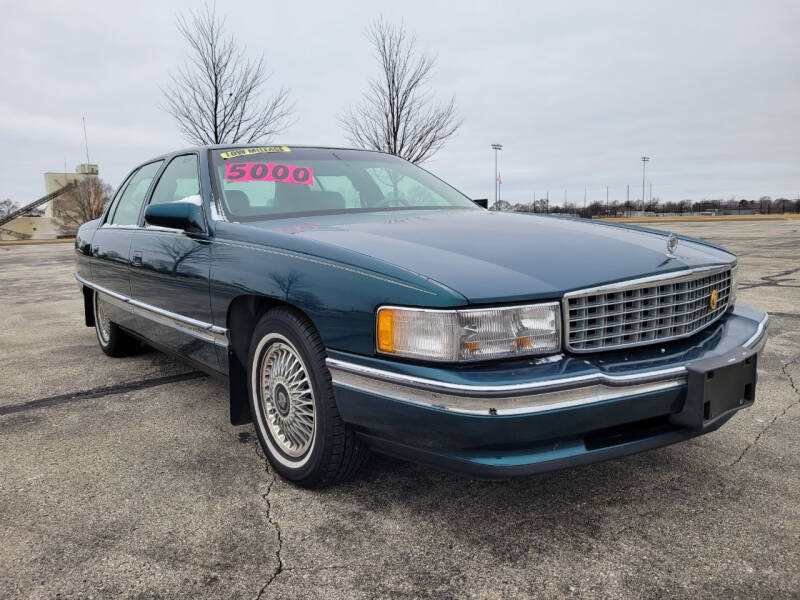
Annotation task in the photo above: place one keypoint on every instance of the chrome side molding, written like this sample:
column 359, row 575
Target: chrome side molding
column 198, row 329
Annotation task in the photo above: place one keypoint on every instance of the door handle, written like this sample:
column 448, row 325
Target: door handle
column 137, row 258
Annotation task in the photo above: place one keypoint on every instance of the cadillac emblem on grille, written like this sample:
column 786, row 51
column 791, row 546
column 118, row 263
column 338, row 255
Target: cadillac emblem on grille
column 713, row 299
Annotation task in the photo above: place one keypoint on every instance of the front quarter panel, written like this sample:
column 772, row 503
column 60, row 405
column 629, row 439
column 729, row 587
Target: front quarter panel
column 339, row 297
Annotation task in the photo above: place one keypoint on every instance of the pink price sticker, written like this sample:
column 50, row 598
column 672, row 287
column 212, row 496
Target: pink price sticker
column 257, row 171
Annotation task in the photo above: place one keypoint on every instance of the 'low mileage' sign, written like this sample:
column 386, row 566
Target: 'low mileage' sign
column 257, row 171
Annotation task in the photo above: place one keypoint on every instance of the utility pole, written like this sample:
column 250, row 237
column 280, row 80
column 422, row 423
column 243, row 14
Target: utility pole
column 86, row 141
column 547, row 203
column 651, row 196
column 606, row 200
column 645, row 160
column 496, row 147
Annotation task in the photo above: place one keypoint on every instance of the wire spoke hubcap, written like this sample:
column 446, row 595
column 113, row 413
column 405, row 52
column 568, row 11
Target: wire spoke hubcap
column 287, row 399
column 103, row 322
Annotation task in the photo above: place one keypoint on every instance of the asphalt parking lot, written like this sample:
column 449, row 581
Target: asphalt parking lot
column 123, row 478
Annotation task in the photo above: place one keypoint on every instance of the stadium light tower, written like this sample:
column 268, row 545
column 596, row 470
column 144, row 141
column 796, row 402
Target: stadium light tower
column 645, row 160
column 496, row 147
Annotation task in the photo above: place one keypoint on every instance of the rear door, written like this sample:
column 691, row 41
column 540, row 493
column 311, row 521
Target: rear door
column 111, row 245
column 169, row 271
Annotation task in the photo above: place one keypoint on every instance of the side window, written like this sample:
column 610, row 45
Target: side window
column 117, row 196
column 130, row 203
column 178, row 181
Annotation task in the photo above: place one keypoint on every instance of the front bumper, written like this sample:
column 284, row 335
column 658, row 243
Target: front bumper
column 505, row 419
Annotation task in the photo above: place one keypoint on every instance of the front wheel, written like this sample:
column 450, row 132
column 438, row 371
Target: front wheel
column 292, row 403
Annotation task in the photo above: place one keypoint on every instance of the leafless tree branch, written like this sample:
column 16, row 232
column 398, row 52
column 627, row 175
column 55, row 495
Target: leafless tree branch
column 84, row 202
column 398, row 114
column 216, row 97
column 7, row 207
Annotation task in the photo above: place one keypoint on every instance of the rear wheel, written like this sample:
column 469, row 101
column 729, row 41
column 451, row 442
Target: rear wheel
column 292, row 403
column 112, row 339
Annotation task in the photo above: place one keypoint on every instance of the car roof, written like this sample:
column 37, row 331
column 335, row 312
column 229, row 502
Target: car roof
column 253, row 145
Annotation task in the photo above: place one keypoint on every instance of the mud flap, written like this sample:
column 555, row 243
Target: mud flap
column 237, row 386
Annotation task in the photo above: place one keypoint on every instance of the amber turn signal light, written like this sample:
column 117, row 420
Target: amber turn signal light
column 386, row 330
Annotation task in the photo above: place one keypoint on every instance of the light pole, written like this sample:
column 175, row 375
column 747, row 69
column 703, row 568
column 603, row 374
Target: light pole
column 645, row 160
column 496, row 147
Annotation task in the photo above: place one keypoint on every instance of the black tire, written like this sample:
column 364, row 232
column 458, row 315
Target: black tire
column 334, row 453
column 111, row 338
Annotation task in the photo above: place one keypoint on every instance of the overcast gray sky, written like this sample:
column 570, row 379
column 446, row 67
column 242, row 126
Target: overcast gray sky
column 575, row 91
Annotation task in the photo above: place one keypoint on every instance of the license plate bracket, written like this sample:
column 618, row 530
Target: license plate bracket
column 716, row 388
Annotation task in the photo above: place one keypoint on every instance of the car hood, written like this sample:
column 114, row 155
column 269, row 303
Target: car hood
column 490, row 257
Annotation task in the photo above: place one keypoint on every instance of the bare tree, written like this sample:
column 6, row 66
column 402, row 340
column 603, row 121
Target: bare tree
column 398, row 114
column 217, row 96
column 84, row 202
column 7, row 207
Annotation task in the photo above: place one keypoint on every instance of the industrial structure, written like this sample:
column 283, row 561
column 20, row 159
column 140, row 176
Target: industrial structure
column 57, row 201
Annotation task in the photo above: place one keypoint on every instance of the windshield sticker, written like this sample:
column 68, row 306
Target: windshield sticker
column 254, row 171
column 248, row 151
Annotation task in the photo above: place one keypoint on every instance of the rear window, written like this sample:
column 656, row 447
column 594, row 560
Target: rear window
column 281, row 181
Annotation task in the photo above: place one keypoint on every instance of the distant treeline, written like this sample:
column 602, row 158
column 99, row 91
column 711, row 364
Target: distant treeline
column 764, row 205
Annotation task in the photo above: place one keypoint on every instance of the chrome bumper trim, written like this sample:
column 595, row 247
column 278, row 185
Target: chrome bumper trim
column 499, row 405
column 495, row 391
column 199, row 329
column 522, row 398
column 759, row 338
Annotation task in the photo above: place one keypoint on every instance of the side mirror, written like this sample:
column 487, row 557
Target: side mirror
column 186, row 216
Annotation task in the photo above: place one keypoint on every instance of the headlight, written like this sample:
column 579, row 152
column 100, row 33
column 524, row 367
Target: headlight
column 734, row 285
column 472, row 334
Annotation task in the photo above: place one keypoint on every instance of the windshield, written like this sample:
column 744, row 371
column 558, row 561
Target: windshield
column 277, row 181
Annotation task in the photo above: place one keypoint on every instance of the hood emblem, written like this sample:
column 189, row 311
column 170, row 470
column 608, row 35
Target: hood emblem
column 713, row 300
column 672, row 244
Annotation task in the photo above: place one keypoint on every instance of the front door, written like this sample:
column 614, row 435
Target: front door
column 170, row 270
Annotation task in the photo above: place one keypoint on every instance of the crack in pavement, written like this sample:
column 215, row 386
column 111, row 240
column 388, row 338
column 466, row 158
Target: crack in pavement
column 796, row 389
column 772, row 280
column 98, row 392
column 279, row 568
column 784, row 315
column 244, row 437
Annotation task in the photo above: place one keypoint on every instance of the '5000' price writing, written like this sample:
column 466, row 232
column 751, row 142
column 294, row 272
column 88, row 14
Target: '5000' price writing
column 256, row 171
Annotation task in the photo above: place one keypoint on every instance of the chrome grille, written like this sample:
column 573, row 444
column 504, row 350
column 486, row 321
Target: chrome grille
column 644, row 311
